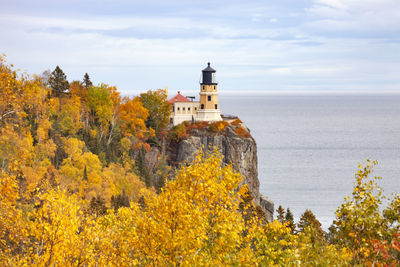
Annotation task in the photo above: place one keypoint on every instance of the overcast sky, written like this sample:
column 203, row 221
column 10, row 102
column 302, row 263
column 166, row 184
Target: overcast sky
column 255, row 45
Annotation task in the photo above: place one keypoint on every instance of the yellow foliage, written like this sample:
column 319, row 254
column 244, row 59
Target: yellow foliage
column 123, row 180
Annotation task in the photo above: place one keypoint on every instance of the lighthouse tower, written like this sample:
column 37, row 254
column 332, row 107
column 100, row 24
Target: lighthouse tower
column 208, row 109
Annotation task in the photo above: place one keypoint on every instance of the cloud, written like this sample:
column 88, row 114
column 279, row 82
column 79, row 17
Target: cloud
column 364, row 18
column 274, row 45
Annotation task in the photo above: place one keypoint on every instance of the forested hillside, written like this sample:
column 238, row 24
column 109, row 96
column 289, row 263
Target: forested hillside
column 75, row 190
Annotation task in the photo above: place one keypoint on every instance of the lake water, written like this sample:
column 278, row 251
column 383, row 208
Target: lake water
column 309, row 146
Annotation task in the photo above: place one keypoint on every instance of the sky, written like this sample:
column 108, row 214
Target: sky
column 255, row 45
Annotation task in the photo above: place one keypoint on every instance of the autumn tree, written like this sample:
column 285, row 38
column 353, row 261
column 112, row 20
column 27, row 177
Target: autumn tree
column 69, row 119
column 195, row 219
column 101, row 106
column 133, row 116
column 159, row 109
column 58, row 81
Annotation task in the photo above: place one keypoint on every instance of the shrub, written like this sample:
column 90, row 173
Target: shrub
column 178, row 132
column 236, row 122
column 242, row 132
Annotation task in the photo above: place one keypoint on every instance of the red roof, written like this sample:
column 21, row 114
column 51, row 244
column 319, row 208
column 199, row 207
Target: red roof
column 178, row 98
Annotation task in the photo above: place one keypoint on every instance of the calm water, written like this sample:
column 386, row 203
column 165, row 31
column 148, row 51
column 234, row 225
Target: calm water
column 309, row 146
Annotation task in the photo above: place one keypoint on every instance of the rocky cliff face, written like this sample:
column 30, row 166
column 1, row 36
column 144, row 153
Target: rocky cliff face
column 241, row 151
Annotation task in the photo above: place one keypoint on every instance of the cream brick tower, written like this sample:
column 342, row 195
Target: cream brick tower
column 209, row 108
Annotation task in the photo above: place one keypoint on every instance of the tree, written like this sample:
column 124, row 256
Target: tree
column 142, row 169
column 281, row 214
column 358, row 220
column 85, row 178
column 162, row 171
column 86, row 81
column 58, row 81
column 69, row 119
column 289, row 219
column 121, row 200
column 101, row 105
column 133, row 116
column 97, row 206
column 159, row 109
column 45, row 77
column 308, row 219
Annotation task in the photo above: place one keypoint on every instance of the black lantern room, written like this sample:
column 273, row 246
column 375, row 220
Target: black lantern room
column 208, row 77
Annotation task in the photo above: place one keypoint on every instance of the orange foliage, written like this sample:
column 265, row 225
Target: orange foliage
column 133, row 116
column 242, row 132
column 236, row 122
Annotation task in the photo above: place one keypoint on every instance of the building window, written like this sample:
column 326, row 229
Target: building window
column 178, row 108
column 209, row 98
column 183, row 109
column 173, row 109
column 216, row 106
column 202, row 106
column 188, row 109
column 195, row 108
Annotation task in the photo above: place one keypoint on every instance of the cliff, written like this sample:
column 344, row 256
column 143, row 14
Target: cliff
column 237, row 147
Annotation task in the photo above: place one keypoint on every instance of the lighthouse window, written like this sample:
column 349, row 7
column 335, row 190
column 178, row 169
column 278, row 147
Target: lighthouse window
column 214, row 87
column 202, row 106
column 204, row 88
column 209, row 98
column 216, row 106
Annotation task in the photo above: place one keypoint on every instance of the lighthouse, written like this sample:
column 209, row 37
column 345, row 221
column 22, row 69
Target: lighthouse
column 209, row 108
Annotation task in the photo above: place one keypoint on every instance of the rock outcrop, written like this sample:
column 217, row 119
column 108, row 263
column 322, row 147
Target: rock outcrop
column 241, row 151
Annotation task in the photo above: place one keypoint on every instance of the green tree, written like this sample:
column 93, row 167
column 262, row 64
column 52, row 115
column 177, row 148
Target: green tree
column 159, row 109
column 142, row 169
column 161, row 173
column 289, row 219
column 308, row 219
column 85, row 177
column 97, row 206
column 58, row 81
column 281, row 214
column 86, row 81
column 311, row 227
column 121, row 200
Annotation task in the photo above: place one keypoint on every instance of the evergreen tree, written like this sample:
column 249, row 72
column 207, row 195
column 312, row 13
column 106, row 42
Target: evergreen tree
column 86, row 81
column 289, row 219
column 281, row 214
column 58, row 81
column 97, row 206
column 85, row 174
column 309, row 225
column 142, row 169
column 121, row 200
column 308, row 219
column 161, row 173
